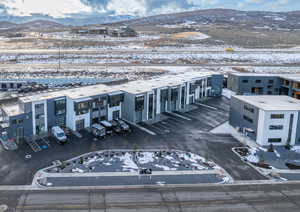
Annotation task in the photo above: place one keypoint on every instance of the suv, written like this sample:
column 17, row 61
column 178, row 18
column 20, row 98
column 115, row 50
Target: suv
column 116, row 126
column 108, row 126
column 59, row 134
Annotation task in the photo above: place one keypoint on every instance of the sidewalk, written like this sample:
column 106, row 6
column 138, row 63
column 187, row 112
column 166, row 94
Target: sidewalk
column 227, row 129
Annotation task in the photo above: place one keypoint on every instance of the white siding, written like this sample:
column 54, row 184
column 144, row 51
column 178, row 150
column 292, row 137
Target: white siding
column 264, row 133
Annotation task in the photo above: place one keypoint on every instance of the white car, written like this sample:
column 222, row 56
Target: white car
column 59, row 134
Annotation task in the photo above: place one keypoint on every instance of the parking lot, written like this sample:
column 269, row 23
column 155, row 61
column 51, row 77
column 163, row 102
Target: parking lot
column 178, row 133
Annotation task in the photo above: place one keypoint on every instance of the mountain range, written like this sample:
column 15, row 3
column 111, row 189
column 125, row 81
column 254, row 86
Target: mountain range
column 289, row 20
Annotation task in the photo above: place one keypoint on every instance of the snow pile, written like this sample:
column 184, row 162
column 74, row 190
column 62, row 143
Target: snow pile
column 191, row 157
column 227, row 93
column 129, row 164
column 225, row 179
column 276, row 153
column 146, row 157
column 165, row 168
column 77, row 170
column 91, row 160
column 252, row 157
column 296, row 149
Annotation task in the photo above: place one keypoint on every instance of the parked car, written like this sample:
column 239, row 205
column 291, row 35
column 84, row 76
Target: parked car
column 98, row 130
column 59, row 134
column 108, row 126
column 125, row 127
column 116, row 127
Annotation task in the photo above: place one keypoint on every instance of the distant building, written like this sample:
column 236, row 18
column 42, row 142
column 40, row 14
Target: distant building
column 267, row 119
column 123, row 31
column 264, row 84
column 79, row 108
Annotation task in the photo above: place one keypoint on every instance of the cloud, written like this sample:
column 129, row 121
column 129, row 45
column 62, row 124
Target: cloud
column 54, row 8
column 127, row 7
column 63, row 8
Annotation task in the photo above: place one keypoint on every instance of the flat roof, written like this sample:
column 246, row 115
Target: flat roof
column 271, row 102
column 12, row 109
column 134, row 87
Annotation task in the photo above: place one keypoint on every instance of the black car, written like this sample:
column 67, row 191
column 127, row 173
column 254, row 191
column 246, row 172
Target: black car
column 115, row 126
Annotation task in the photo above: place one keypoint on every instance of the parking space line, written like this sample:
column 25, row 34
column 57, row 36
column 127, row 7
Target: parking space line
column 142, row 128
column 179, row 116
column 208, row 106
column 46, row 141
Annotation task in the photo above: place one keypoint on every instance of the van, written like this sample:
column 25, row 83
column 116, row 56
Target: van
column 59, row 134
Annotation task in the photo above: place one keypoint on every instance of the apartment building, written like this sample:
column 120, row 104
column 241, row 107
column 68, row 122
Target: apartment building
column 79, row 108
column 264, row 84
column 267, row 119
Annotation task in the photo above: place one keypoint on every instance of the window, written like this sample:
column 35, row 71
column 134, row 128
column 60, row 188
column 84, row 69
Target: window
column 276, row 127
column 60, row 106
column 174, row 94
column 82, row 107
column 258, row 81
column 274, row 140
column 115, row 100
column 245, row 81
column 139, row 103
column 270, row 86
column 17, row 121
column 248, row 119
column 248, row 108
column 150, row 107
column 271, row 81
column 277, row 116
column 270, row 92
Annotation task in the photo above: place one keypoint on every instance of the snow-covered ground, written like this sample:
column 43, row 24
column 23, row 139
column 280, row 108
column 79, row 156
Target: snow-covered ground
column 129, row 161
column 151, row 57
column 227, row 93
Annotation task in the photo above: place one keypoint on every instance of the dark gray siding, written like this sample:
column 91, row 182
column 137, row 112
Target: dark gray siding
column 128, row 107
column 236, row 116
column 298, row 131
column 26, row 125
column 244, row 85
column 217, row 84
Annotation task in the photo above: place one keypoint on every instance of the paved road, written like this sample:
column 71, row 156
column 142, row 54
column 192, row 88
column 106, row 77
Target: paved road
column 230, row 198
column 144, row 50
column 177, row 133
column 202, row 65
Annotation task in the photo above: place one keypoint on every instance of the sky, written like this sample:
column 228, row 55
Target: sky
column 140, row 8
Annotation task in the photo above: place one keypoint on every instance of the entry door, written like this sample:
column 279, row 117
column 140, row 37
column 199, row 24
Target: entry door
column 79, row 124
column 19, row 133
column 116, row 114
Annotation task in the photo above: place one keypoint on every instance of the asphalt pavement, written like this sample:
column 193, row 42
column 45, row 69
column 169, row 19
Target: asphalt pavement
column 187, row 135
column 225, row 198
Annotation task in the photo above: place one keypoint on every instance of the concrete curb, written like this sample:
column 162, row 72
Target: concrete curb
column 166, row 186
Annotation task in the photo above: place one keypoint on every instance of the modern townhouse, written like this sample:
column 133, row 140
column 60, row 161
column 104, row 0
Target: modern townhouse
column 264, row 84
column 267, row 119
column 79, row 108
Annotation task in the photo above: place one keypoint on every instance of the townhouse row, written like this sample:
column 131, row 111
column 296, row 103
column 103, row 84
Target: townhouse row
column 264, row 84
column 79, row 108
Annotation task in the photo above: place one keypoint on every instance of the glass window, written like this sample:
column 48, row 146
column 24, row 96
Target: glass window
column 274, row 140
column 276, row 127
column 245, row 81
column 248, row 108
column 258, row 81
column 248, row 119
column 60, row 106
column 277, row 116
column 271, row 81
